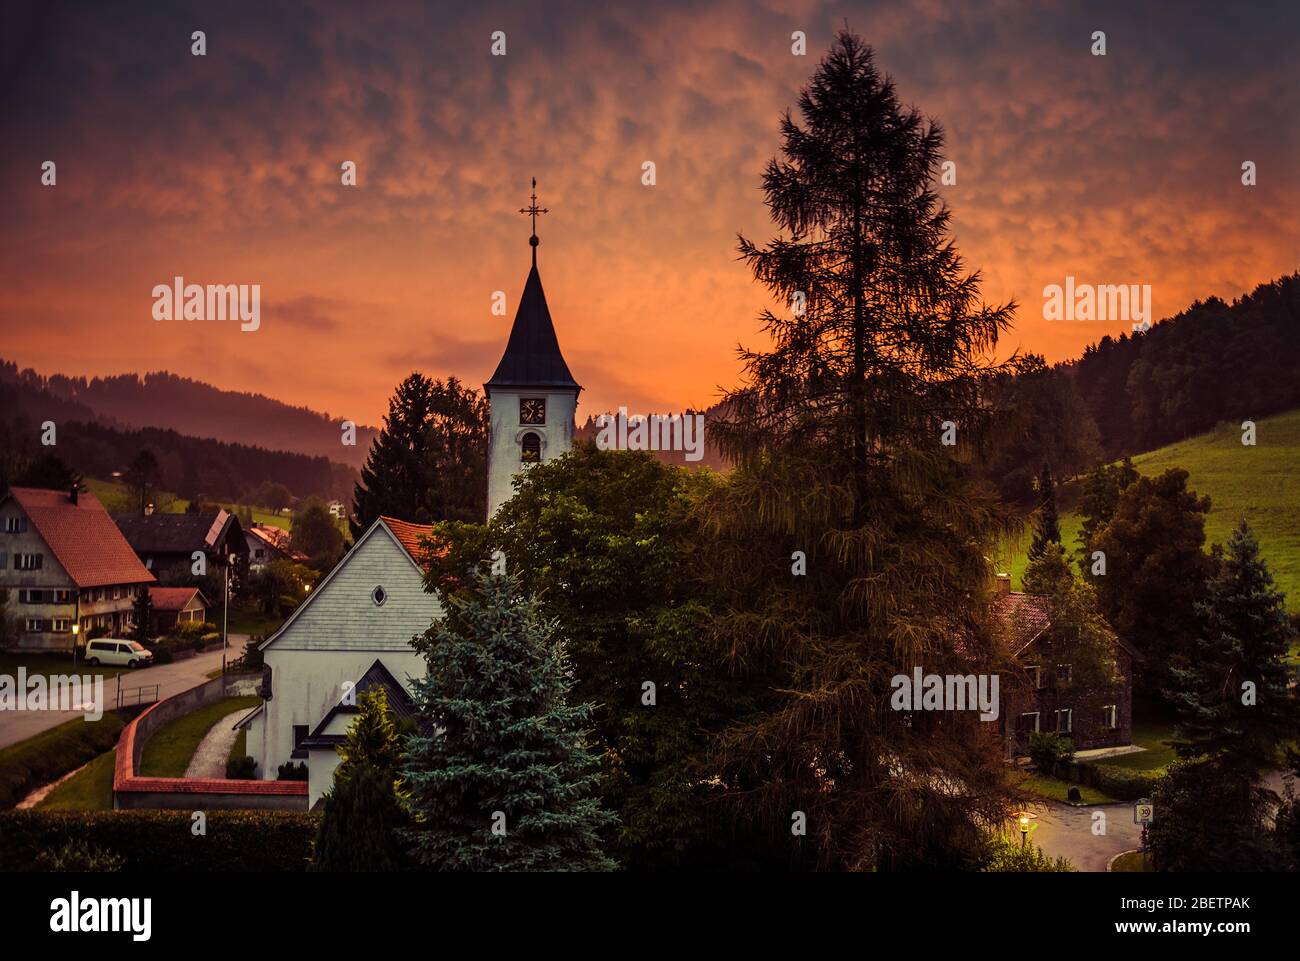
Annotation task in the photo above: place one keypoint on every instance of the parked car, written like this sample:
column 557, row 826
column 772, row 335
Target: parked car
column 114, row 652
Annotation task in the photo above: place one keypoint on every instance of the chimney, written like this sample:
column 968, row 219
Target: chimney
column 72, row 494
column 1004, row 583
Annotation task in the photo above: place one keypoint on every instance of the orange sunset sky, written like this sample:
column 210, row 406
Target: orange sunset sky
column 225, row 169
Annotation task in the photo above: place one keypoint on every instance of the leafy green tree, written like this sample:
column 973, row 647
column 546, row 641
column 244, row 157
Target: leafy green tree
column 142, row 615
column 1155, row 572
column 364, row 810
column 1232, row 695
column 850, row 542
column 1100, row 498
column 1047, row 524
column 1048, row 573
column 500, row 778
column 316, row 534
column 610, row 544
column 142, row 477
column 429, row 463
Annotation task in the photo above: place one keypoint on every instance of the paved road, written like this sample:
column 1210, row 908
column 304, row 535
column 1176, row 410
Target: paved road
column 1065, row 831
column 171, row 679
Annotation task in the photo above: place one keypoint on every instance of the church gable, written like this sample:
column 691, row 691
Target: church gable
column 373, row 600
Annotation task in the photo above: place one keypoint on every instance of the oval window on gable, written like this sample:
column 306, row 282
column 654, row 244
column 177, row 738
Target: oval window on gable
column 379, row 595
column 532, row 449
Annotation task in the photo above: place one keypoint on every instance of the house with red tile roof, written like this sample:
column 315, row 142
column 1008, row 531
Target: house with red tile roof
column 266, row 544
column 66, row 567
column 352, row 632
column 1049, row 702
column 173, row 605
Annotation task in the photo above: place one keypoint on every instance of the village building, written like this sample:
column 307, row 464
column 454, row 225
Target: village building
column 67, row 569
column 169, row 545
column 177, row 605
column 267, row 544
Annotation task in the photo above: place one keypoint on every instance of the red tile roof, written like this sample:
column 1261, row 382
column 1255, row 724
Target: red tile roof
column 1023, row 617
column 277, row 538
column 173, row 598
column 82, row 536
column 410, row 535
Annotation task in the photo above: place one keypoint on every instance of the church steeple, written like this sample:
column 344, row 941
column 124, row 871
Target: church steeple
column 532, row 395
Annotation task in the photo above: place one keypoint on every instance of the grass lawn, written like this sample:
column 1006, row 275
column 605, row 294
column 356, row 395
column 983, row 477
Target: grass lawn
column 1155, row 737
column 240, row 747
column 45, row 663
column 168, row 752
column 1258, row 483
column 1132, row 861
column 253, row 622
column 116, row 498
column 90, row 789
column 1053, row 789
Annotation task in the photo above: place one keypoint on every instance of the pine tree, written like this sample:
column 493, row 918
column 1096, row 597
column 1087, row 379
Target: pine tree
column 430, row 460
column 1234, row 705
column 364, row 810
column 499, row 776
column 1048, row 530
column 142, row 615
column 843, row 472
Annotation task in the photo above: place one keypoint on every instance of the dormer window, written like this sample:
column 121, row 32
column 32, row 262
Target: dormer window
column 531, row 452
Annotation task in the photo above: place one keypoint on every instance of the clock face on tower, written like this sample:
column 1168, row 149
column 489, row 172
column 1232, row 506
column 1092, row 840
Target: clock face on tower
column 532, row 410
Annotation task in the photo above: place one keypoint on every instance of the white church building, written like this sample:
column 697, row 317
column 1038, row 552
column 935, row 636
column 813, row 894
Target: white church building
column 354, row 631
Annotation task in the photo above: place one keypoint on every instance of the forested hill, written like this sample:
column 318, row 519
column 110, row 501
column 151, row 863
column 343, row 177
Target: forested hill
column 190, row 465
column 1213, row 361
column 162, row 399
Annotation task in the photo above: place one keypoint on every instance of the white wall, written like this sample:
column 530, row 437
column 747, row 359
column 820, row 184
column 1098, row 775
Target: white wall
column 505, row 445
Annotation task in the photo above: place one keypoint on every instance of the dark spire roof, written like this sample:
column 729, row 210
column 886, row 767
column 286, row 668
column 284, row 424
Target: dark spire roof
column 532, row 357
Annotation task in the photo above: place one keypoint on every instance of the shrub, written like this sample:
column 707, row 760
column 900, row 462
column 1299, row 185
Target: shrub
column 241, row 768
column 1047, row 749
column 48, row 756
column 158, row 841
column 1006, row 855
column 289, row 771
column 79, row 855
column 1123, row 784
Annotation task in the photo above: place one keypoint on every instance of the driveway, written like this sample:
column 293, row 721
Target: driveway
column 1066, row 831
column 171, row 679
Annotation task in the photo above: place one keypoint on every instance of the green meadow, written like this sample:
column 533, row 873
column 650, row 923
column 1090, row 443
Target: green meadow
column 1260, row 483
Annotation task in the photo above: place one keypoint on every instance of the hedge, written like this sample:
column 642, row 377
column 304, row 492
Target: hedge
column 48, row 756
column 1117, row 782
column 154, row 841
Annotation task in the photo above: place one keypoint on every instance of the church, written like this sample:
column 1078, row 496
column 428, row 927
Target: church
column 354, row 631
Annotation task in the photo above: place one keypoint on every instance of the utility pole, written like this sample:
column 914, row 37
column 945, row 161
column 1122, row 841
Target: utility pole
column 225, row 612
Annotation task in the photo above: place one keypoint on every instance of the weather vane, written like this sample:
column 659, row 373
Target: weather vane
column 533, row 210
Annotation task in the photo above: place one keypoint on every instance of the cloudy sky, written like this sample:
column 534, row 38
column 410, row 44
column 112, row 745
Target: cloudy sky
column 225, row 168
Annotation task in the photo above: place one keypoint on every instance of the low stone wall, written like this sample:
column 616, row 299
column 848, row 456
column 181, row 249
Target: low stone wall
column 131, row 791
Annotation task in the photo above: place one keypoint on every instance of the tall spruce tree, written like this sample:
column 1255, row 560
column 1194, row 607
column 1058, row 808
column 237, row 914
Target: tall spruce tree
column 499, row 775
column 364, row 810
column 142, row 615
column 429, row 463
column 1234, row 704
column 1048, row 525
column 851, row 537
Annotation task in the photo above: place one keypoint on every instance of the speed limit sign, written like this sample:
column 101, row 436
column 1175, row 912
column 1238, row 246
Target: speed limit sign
column 1144, row 812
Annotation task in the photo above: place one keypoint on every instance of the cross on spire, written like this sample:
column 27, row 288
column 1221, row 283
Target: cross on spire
column 533, row 210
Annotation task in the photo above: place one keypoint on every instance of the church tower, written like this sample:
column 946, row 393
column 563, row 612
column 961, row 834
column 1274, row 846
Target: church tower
column 532, row 395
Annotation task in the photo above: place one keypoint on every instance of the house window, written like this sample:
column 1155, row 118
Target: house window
column 28, row 562
column 532, row 449
column 35, row 625
column 1064, row 720
column 379, row 595
column 1064, row 673
column 60, row 625
column 1028, row 722
column 299, row 735
column 1110, row 716
column 15, row 525
column 1036, row 673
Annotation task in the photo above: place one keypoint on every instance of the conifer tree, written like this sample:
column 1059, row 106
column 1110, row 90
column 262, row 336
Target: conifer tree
column 852, row 536
column 499, row 775
column 1048, row 526
column 1232, row 695
column 364, row 810
column 142, row 615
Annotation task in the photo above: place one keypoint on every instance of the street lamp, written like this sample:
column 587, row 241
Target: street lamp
column 1022, row 822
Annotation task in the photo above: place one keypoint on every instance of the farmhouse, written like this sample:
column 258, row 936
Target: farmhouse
column 67, row 568
column 177, row 605
column 266, row 544
column 170, row 544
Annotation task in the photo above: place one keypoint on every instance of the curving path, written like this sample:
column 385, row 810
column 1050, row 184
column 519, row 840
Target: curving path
column 209, row 760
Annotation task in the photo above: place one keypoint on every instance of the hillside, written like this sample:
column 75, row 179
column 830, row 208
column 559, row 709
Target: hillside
column 196, row 409
column 1260, row 483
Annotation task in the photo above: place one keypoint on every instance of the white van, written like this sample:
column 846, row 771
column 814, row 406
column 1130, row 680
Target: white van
column 113, row 652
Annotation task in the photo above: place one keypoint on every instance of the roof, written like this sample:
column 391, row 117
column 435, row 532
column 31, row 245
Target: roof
column 178, row 533
column 82, row 536
column 1024, row 617
column 532, row 357
column 409, row 536
column 376, row 676
column 174, row 598
column 276, row 538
